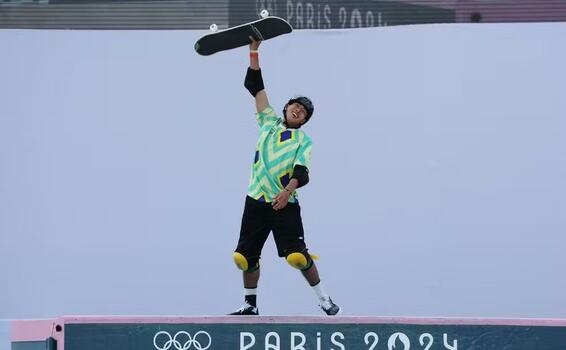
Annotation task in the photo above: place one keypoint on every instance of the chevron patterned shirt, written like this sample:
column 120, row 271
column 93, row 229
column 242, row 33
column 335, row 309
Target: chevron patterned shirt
column 278, row 150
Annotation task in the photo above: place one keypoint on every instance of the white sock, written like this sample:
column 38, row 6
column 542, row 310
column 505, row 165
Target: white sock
column 250, row 291
column 250, row 296
column 320, row 292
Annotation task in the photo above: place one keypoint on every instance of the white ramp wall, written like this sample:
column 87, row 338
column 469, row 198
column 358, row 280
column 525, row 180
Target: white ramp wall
column 438, row 181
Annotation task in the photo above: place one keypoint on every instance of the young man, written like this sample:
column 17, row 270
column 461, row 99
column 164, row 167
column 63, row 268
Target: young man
column 281, row 163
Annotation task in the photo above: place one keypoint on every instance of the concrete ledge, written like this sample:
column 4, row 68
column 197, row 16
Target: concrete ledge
column 293, row 333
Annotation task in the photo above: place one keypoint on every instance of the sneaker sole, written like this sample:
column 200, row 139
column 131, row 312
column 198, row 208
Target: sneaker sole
column 336, row 314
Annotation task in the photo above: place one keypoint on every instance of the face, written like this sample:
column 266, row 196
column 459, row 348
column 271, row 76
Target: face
column 296, row 115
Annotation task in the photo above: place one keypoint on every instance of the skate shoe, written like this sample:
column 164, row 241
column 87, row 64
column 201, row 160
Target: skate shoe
column 246, row 310
column 329, row 307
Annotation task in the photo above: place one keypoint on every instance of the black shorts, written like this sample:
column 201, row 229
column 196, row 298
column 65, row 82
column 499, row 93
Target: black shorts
column 259, row 219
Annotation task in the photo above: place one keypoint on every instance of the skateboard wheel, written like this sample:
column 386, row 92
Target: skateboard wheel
column 213, row 27
column 264, row 13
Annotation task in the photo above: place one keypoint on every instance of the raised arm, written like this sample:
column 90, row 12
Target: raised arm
column 254, row 80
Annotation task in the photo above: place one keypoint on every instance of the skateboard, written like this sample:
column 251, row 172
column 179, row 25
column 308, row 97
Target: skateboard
column 266, row 28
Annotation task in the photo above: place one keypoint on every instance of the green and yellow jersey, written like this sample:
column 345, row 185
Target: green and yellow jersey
column 278, row 150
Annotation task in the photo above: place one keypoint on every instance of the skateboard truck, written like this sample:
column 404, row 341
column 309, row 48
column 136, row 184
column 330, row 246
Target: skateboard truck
column 263, row 14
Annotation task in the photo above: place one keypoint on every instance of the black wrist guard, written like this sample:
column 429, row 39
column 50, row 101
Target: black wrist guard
column 254, row 81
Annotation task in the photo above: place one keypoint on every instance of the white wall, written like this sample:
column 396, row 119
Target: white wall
column 437, row 188
column 4, row 334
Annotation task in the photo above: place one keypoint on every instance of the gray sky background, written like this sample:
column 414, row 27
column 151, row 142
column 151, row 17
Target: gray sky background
column 438, row 183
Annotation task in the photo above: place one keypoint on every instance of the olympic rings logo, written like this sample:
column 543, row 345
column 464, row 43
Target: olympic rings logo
column 182, row 340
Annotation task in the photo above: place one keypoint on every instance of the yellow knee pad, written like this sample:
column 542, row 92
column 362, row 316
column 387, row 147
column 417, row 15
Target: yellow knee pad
column 240, row 261
column 243, row 264
column 299, row 261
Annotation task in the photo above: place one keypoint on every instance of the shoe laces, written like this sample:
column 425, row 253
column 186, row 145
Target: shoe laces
column 245, row 306
column 326, row 303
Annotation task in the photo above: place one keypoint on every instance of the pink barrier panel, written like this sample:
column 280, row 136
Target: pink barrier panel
column 296, row 333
